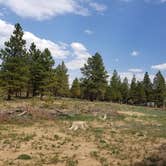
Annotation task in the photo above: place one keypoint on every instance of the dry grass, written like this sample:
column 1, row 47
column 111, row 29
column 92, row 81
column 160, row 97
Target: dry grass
column 130, row 135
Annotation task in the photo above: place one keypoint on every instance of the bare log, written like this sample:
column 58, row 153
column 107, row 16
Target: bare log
column 23, row 113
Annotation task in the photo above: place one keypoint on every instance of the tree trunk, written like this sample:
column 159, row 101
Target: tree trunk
column 16, row 94
column 8, row 95
column 27, row 94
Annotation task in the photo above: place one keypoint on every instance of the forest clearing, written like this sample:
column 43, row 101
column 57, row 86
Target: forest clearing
column 82, row 83
column 129, row 136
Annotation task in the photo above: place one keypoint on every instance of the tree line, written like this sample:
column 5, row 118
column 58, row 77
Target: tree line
column 32, row 72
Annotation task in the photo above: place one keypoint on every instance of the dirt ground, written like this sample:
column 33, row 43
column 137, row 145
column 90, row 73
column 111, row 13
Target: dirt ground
column 129, row 136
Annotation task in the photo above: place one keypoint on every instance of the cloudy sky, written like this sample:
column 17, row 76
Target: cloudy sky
column 129, row 34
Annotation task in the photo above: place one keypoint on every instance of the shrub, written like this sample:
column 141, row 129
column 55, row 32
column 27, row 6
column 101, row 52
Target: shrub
column 24, row 157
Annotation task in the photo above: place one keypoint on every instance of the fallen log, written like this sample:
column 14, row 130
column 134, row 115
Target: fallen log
column 23, row 113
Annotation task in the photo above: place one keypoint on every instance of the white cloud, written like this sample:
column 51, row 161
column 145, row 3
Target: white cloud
column 75, row 64
column 58, row 50
column 80, row 50
column 162, row 1
column 81, row 55
column 88, row 32
column 43, row 9
column 135, row 70
column 76, row 50
column 135, row 53
column 98, row 7
column 159, row 67
column 5, row 31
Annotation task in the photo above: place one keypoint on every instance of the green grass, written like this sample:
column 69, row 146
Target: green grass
column 24, row 157
column 71, row 162
column 78, row 117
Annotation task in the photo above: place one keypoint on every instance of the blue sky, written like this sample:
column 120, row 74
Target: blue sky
column 129, row 34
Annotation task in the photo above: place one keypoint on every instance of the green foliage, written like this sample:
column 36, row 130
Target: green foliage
column 76, row 89
column 35, row 69
column 133, row 90
column 140, row 94
column 108, row 95
column 24, row 157
column 137, row 92
column 71, row 162
column 115, row 86
column 94, row 81
column 125, row 90
column 22, row 71
column 41, row 72
column 62, row 85
column 54, row 160
column 159, row 89
column 14, row 69
column 148, row 87
column 47, row 74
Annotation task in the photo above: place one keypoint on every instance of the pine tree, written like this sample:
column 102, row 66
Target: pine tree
column 108, row 96
column 115, row 86
column 147, row 84
column 94, row 81
column 14, row 69
column 133, row 90
column 75, row 89
column 125, row 90
column 140, row 97
column 62, row 85
column 159, row 89
column 35, row 69
column 41, row 72
column 47, row 74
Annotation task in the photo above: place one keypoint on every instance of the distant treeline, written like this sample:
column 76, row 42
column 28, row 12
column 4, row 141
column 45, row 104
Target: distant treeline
column 29, row 73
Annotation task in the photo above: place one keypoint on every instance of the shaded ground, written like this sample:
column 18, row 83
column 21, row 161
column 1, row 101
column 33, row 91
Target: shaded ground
column 130, row 136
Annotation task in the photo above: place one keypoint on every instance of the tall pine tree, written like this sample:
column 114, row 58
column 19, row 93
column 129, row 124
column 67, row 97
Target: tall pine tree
column 133, row 90
column 140, row 97
column 147, row 84
column 108, row 96
column 14, row 68
column 75, row 89
column 159, row 89
column 94, row 79
column 47, row 74
column 61, row 87
column 125, row 90
column 115, row 87
column 36, row 68
column 41, row 72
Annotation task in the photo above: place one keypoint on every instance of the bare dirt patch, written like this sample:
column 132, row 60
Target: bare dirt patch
column 130, row 113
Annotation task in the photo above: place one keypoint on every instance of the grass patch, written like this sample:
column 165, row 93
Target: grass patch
column 24, row 157
column 71, row 162
column 78, row 117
